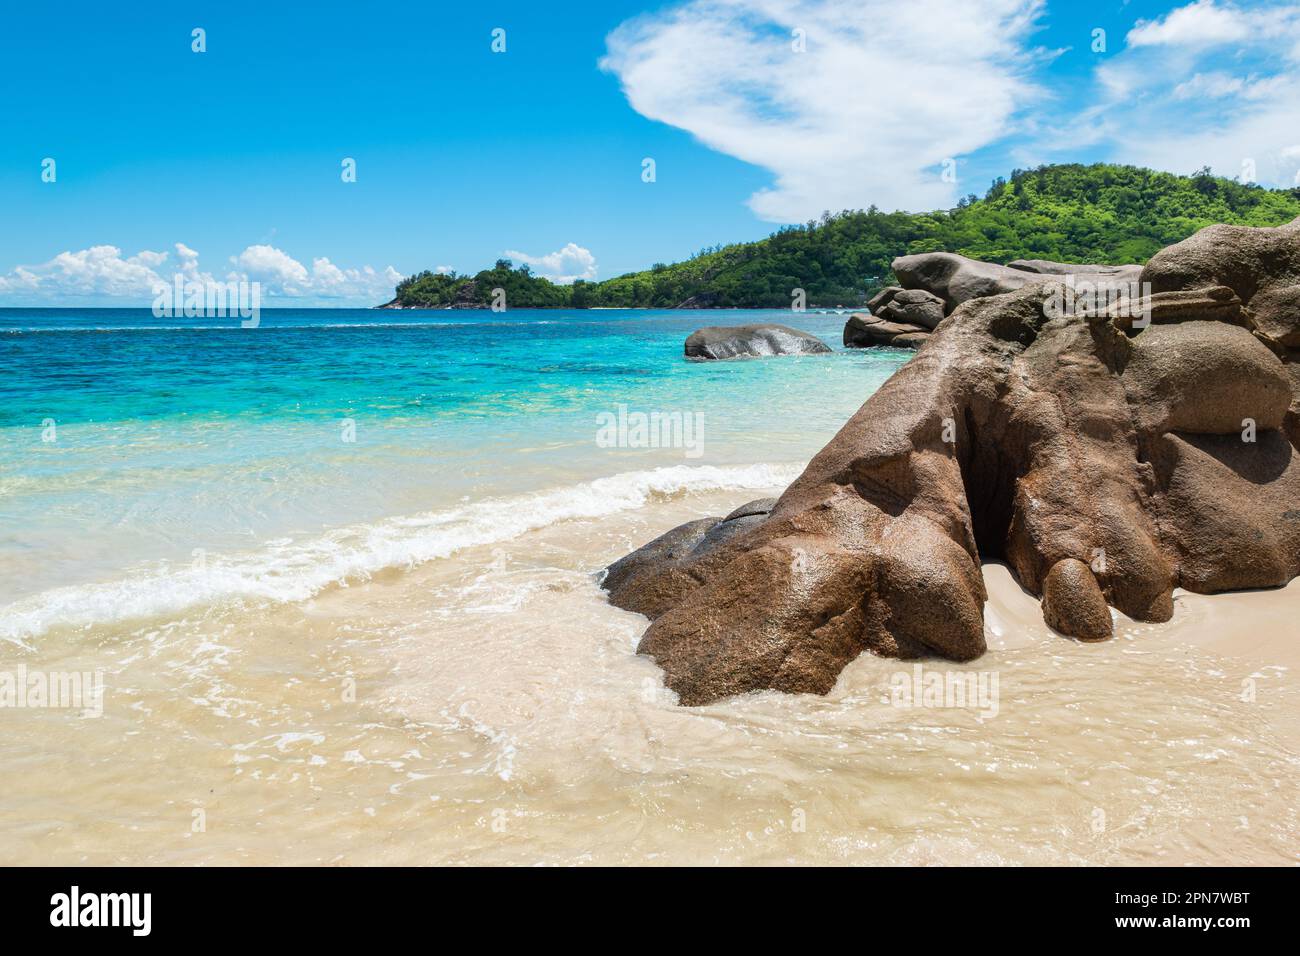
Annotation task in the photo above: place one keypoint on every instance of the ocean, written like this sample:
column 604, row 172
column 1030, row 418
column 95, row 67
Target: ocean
column 338, row 577
column 132, row 441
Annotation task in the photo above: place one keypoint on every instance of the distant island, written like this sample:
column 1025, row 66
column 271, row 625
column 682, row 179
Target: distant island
column 1069, row 213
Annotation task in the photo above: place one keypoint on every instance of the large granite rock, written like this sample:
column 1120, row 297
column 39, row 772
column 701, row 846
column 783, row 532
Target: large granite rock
column 908, row 307
column 862, row 331
column 1213, row 303
column 935, row 283
column 646, row 576
column 956, row 279
column 1106, row 465
column 1124, row 274
column 751, row 341
column 1261, row 266
column 903, row 318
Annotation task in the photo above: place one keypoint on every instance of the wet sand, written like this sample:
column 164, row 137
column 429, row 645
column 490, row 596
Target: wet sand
column 489, row 707
column 1258, row 632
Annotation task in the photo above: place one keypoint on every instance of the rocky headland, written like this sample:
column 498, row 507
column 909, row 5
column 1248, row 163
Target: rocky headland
column 1107, row 452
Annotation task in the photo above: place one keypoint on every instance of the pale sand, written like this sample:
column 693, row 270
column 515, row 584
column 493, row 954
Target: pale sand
column 490, row 708
column 1260, row 629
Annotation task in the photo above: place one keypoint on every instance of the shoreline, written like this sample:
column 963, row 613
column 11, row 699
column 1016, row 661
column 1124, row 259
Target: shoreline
column 485, row 676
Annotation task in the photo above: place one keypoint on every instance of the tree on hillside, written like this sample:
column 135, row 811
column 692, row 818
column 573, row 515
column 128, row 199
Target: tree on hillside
column 1072, row 213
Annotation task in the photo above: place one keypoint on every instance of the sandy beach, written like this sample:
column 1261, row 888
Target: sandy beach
column 490, row 708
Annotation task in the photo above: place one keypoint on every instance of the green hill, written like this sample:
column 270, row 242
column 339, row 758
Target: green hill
column 1071, row 213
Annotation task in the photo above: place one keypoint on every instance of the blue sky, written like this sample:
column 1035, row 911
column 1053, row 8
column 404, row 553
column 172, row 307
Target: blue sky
column 227, row 162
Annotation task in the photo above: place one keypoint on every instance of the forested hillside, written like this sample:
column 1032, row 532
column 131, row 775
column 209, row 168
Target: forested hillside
column 1072, row 213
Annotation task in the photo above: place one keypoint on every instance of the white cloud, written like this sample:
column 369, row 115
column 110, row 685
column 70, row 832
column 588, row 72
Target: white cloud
column 20, row 280
column 867, row 114
column 1267, row 142
column 271, row 266
column 99, row 270
column 1198, row 24
column 1217, row 85
column 102, row 272
column 327, row 279
column 150, row 259
column 1175, row 99
column 562, row 266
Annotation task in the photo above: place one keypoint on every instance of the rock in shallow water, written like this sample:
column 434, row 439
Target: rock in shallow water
column 863, row 331
column 1073, row 603
column 915, row 307
column 642, row 579
column 751, row 341
column 1105, row 469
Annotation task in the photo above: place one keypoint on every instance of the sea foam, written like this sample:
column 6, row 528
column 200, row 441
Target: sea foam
column 286, row 570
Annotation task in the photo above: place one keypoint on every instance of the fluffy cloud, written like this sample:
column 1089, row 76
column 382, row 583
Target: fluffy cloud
column 562, row 266
column 102, row 272
column 1198, row 24
column 270, row 266
column 328, row 279
column 868, row 113
column 99, row 270
column 1176, row 99
column 885, row 93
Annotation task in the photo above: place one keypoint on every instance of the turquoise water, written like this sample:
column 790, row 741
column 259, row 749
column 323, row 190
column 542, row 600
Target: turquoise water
column 128, row 441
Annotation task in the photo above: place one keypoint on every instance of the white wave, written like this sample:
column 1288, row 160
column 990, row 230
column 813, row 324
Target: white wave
column 286, row 570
